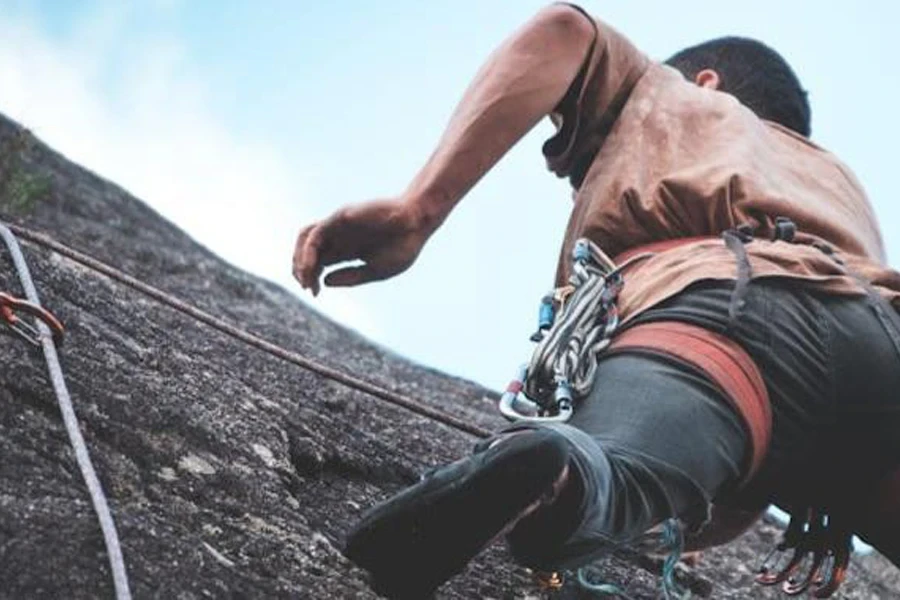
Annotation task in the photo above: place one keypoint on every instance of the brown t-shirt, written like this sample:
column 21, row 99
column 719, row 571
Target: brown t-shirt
column 655, row 157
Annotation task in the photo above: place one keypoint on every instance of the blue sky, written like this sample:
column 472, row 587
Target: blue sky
column 248, row 119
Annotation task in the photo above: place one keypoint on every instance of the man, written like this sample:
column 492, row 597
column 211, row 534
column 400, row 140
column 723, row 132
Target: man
column 759, row 354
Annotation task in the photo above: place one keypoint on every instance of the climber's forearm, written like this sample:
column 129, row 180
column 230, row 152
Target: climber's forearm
column 522, row 81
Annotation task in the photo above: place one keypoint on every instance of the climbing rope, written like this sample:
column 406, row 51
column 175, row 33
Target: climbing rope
column 266, row 346
column 47, row 337
column 672, row 541
column 582, row 330
column 673, row 538
column 599, row 589
column 575, row 324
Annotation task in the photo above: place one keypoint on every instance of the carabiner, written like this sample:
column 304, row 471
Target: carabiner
column 837, row 571
column 829, row 546
column 771, row 572
column 10, row 307
column 516, row 406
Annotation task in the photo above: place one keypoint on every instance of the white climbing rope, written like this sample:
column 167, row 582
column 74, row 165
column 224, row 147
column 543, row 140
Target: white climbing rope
column 582, row 329
column 577, row 323
column 98, row 498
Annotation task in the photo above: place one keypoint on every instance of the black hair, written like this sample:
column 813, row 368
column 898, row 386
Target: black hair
column 755, row 74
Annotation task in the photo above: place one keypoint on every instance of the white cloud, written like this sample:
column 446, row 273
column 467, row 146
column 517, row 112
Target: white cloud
column 137, row 112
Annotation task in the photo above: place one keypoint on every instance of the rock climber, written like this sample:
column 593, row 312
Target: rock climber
column 758, row 356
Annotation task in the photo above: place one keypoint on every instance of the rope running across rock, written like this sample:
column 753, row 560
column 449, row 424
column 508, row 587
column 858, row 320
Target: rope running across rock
column 250, row 338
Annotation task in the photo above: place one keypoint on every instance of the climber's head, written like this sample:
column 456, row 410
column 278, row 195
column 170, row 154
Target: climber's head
column 752, row 72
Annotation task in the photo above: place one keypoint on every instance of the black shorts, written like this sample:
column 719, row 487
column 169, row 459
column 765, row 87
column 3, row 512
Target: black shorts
column 831, row 365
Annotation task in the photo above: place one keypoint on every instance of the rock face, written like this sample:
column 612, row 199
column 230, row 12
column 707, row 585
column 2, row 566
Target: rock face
column 232, row 473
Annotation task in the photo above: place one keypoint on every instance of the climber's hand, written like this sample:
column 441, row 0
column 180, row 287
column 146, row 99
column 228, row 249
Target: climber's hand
column 384, row 236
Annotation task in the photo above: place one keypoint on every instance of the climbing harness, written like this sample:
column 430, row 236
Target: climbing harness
column 576, row 323
column 47, row 333
column 815, row 538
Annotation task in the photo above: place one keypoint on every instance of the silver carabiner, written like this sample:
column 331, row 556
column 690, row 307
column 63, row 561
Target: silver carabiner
column 515, row 406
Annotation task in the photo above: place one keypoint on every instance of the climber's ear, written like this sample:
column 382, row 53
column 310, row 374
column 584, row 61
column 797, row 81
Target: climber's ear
column 707, row 78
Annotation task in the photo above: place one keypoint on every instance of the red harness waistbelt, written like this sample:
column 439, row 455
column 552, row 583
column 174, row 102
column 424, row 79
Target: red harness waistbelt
column 722, row 360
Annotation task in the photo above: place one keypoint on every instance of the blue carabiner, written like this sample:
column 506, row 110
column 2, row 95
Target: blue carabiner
column 546, row 316
column 581, row 253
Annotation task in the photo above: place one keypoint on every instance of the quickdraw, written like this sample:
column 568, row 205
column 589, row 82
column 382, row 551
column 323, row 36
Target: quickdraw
column 576, row 323
column 10, row 309
column 816, row 538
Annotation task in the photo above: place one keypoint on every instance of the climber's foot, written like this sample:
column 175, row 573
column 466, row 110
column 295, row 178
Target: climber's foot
column 415, row 541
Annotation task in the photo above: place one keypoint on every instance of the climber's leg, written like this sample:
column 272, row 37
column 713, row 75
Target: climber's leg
column 654, row 440
column 663, row 442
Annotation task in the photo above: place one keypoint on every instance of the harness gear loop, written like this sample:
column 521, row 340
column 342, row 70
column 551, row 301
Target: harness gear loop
column 576, row 323
column 10, row 306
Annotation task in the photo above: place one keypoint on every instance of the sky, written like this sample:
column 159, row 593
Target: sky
column 243, row 121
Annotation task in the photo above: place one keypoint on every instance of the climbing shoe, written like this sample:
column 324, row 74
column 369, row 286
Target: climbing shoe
column 415, row 541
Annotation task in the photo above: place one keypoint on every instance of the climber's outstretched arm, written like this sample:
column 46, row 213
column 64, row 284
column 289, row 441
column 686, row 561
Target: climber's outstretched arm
column 521, row 82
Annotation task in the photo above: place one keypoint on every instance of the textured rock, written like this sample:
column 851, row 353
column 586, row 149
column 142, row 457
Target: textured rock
column 231, row 473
